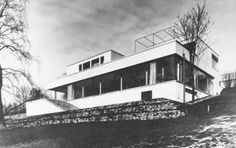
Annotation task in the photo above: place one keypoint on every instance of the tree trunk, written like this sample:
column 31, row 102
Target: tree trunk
column 192, row 49
column 2, row 122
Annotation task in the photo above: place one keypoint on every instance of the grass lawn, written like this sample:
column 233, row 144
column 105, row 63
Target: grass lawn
column 183, row 132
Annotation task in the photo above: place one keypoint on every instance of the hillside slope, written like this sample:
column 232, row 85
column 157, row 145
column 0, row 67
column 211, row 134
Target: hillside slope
column 216, row 129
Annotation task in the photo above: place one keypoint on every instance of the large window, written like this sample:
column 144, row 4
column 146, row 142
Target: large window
column 78, row 90
column 107, row 82
column 166, row 69
column 135, row 76
column 160, row 70
column 203, row 82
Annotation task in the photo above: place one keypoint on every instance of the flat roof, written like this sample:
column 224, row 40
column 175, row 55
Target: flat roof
column 95, row 56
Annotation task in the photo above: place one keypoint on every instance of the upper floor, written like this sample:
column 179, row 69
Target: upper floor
column 93, row 61
column 206, row 60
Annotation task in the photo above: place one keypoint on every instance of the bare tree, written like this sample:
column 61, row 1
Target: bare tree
column 193, row 28
column 26, row 93
column 13, row 45
column 194, row 24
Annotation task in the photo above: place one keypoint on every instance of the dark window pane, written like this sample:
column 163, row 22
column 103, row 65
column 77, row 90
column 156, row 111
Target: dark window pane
column 117, row 80
column 80, row 67
column 102, row 60
column 107, row 82
column 78, row 90
column 88, row 89
column 96, row 87
column 214, row 61
column 95, row 62
column 166, row 69
column 86, row 65
column 203, row 82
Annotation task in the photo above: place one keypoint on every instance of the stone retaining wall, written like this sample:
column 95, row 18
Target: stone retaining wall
column 141, row 110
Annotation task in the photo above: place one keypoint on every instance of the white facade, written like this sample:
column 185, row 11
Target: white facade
column 41, row 106
column 107, row 56
column 171, row 89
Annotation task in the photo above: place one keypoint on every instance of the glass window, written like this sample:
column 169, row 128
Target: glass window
column 86, row 65
column 203, row 82
column 88, row 87
column 135, row 76
column 102, row 59
column 117, row 75
column 95, row 62
column 78, row 90
column 80, row 67
column 107, row 82
column 166, row 69
column 139, row 75
column 96, row 86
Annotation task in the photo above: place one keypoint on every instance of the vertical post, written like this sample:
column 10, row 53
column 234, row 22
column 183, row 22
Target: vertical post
column 121, row 83
column 162, row 73
column 146, row 77
column 153, row 39
column 208, row 108
column 193, row 81
column 100, row 87
column 183, row 75
column 70, row 92
column 178, row 69
column 82, row 91
column 2, row 121
column 55, row 95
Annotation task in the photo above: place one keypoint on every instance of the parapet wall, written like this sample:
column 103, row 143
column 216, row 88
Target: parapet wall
column 141, row 110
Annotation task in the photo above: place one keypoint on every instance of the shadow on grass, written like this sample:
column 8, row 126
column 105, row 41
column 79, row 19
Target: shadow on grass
column 106, row 134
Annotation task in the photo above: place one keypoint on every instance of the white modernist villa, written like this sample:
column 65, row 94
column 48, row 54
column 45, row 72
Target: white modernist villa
column 166, row 69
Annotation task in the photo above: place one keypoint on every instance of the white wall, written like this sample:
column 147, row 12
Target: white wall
column 41, row 106
column 160, row 90
column 74, row 68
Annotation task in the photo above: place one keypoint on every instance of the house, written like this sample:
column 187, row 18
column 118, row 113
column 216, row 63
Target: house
column 167, row 68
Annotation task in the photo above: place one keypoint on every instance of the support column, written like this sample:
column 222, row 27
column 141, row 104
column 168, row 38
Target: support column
column 55, row 95
column 153, row 73
column 100, row 87
column 146, row 77
column 82, row 91
column 70, row 92
column 183, row 75
column 178, row 72
column 121, row 83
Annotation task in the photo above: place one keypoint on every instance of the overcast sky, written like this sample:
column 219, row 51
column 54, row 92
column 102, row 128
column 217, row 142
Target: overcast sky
column 63, row 32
